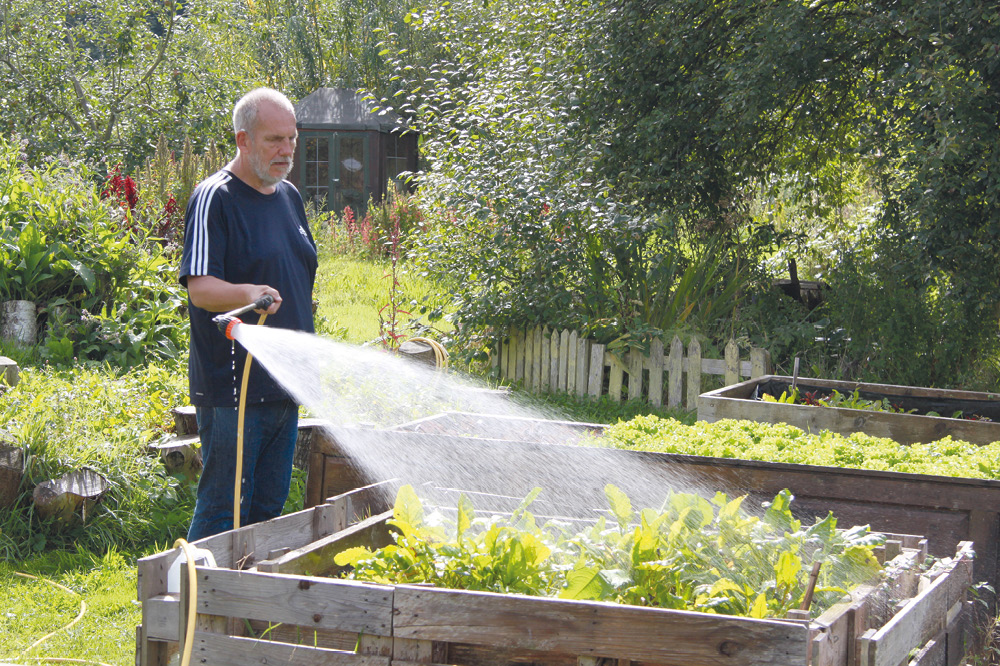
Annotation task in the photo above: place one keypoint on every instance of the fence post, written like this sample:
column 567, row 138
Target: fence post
column 595, row 378
column 656, row 373
column 732, row 375
column 546, row 358
column 563, row 359
column 505, row 364
column 518, row 340
column 571, row 362
column 554, row 361
column 529, row 359
column 694, row 374
column 760, row 362
column 582, row 356
column 615, row 378
column 676, row 372
column 634, row 373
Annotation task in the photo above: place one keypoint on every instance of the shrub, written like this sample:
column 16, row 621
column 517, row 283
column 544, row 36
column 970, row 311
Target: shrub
column 104, row 289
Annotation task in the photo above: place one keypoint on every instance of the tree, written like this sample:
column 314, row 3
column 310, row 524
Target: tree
column 104, row 79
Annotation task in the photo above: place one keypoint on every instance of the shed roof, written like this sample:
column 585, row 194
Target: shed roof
column 343, row 108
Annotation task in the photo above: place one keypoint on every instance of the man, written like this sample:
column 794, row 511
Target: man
column 246, row 236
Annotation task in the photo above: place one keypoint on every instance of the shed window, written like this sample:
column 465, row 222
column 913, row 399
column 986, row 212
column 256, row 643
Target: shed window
column 395, row 156
column 316, row 169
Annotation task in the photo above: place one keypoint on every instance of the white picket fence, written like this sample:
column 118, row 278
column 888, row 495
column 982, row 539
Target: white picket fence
column 561, row 361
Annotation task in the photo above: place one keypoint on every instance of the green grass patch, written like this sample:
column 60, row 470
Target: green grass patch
column 32, row 608
column 352, row 292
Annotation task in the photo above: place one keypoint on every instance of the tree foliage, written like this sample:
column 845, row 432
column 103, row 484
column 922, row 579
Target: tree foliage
column 526, row 231
column 102, row 80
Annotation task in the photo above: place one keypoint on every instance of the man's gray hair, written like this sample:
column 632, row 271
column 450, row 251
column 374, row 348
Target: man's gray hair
column 246, row 110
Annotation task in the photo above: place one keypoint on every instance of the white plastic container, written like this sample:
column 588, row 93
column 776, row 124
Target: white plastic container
column 201, row 557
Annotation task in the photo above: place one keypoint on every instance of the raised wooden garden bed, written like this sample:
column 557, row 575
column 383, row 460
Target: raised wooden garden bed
column 279, row 607
column 742, row 401
column 948, row 510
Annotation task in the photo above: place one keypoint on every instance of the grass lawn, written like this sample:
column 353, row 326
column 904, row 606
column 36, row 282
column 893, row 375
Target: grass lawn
column 33, row 608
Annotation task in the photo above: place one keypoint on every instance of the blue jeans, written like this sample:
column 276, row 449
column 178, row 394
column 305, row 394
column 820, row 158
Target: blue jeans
column 269, row 433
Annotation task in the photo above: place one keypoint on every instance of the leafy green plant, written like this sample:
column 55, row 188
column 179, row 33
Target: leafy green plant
column 779, row 442
column 691, row 554
column 105, row 290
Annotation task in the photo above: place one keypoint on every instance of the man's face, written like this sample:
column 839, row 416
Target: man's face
column 272, row 144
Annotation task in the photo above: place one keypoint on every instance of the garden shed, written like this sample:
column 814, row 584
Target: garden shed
column 348, row 151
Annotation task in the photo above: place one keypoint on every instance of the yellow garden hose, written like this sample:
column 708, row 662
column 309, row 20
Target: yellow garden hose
column 192, row 601
column 440, row 353
column 238, row 490
column 83, row 611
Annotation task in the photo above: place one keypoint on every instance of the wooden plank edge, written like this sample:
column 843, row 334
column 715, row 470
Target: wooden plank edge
column 890, row 645
column 306, row 601
column 222, row 650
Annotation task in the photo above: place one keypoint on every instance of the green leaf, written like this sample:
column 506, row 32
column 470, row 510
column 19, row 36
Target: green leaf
column 621, row 506
column 787, row 569
column 351, row 556
column 466, row 514
column 585, row 583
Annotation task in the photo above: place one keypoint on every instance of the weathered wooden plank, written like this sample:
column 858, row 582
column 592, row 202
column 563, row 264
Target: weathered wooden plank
column 316, row 558
column 571, row 350
column 595, row 377
column 616, row 372
column 635, row 363
column 675, row 371
column 536, row 359
column 717, row 367
column 221, row 650
column 546, row 361
column 760, row 362
column 317, row 603
column 554, row 361
column 596, row 629
column 519, row 355
column 529, row 351
column 960, row 618
column 732, row 356
column 693, row 376
column 582, row 365
column 160, row 615
column 922, row 617
column 934, row 653
column 505, row 364
column 563, row 359
column 656, row 372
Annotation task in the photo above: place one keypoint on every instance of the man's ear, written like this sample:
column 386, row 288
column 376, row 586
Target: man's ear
column 243, row 140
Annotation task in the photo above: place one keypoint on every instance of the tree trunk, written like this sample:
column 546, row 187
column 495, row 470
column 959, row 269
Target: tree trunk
column 70, row 496
column 11, row 474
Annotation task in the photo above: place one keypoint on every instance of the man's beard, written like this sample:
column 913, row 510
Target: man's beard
column 263, row 171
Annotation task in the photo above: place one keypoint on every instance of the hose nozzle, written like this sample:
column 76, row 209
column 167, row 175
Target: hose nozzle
column 228, row 320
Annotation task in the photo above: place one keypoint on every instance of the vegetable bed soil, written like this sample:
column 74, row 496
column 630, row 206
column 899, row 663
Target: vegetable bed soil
column 920, row 414
column 271, row 600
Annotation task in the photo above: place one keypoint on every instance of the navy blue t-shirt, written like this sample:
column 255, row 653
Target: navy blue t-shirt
column 237, row 234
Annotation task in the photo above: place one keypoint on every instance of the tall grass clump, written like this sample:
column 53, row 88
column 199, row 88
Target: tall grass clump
column 102, row 418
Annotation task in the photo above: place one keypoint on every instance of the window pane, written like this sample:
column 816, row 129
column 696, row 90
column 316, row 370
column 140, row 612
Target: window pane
column 352, row 163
